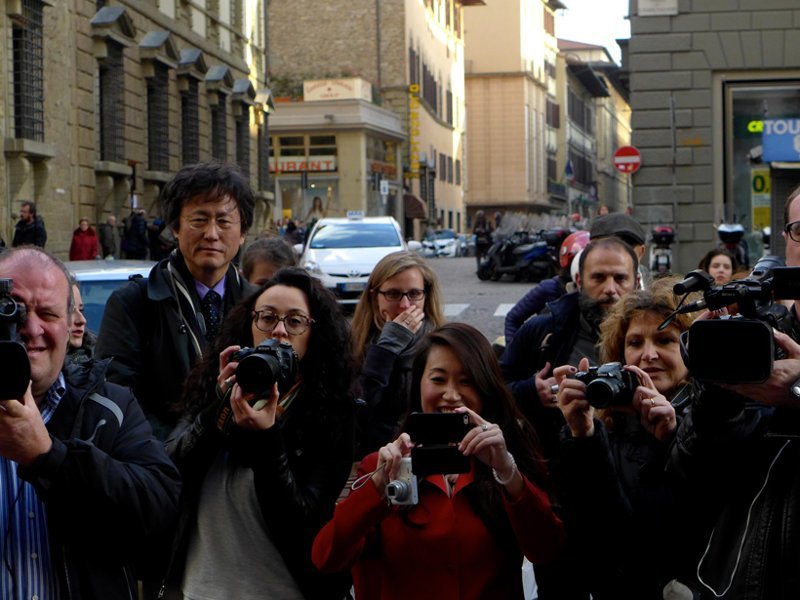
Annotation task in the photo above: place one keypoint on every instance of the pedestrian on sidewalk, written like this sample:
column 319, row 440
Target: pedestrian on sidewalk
column 29, row 230
column 85, row 245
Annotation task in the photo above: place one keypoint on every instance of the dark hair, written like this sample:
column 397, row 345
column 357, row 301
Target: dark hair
column 326, row 368
column 608, row 242
column 209, row 182
column 705, row 262
column 478, row 360
column 272, row 250
column 31, row 206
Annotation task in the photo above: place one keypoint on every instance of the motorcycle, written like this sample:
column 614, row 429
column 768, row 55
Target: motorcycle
column 660, row 252
column 522, row 255
column 731, row 236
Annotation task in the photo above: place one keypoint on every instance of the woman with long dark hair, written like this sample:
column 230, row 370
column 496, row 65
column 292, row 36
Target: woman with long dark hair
column 258, row 486
column 466, row 536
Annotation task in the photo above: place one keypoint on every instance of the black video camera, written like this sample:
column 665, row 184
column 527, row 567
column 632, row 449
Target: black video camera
column 13, row 356
column 259, row 369
column 608, row 385
column 739, row 349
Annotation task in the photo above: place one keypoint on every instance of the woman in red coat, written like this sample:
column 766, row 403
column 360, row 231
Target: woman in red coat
column 85, row 245
column 467, row 534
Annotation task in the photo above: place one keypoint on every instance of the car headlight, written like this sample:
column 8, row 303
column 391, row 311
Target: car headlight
column 313, row 267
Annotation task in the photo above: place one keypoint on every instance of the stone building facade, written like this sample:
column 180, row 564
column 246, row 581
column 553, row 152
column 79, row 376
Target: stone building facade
column 705, row 77
column 412, row 52
column 102, row 102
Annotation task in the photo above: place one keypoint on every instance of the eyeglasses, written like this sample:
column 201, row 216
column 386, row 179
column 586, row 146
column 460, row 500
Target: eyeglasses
column 201, row 223
column 267, row 321
column 397, row 295
column 793, row 229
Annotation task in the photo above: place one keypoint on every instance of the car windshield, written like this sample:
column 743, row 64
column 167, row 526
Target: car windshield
column 95, row 295
column 354, row 235
column 445, row 234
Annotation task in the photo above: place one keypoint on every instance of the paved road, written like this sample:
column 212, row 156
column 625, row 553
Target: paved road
column 482, row 304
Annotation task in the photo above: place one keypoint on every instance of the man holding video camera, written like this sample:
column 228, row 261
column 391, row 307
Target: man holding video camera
column 737, row 451
column 157, row 328
column 84, row 485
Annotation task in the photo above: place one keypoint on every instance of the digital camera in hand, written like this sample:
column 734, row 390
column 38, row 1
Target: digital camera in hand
column 436, row 437
column 403, row 491
column 261, row 367
column 608, row 385
column 13, row 357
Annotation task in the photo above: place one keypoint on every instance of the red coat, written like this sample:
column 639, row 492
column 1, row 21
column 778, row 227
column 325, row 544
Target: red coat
column 440, row 549
column 85, row 245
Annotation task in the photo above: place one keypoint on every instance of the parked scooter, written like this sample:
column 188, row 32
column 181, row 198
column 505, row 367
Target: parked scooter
column 523, row 256
column 731, row 236
column 660, row 250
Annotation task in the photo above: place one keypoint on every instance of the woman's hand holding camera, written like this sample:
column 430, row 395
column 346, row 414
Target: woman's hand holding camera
column 389, row 460
column 657, row 414
column 571, row 399
column 249, row 411
column 486, row 442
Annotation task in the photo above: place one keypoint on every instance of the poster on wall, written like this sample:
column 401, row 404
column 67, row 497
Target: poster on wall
column 652, row 8
column 760, row 197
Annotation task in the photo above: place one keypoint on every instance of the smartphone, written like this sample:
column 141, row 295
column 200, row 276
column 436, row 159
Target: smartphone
column 437, row 428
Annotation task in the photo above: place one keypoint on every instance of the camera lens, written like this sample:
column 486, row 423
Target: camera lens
column 601, row 393
column 257, row 373
column 397, row 491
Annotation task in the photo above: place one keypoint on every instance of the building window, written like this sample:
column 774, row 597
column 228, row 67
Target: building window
column 552, row 167
column 442, row 167
column 583, row 167
column 449, row 169
column 243, row 140
column 458, row 172
column 219, row 129
column 413, row 66
column 579, row 112
column 449, row 108
column 158, row 119
column 28, row 72
column 553, row 114
column 550, row 69
column 112, row 104
column 429, row 88
column 263, row 154
column 190, row 129
column 549, row 22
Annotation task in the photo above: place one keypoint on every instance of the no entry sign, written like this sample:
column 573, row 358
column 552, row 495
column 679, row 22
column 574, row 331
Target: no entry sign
column 627, row 159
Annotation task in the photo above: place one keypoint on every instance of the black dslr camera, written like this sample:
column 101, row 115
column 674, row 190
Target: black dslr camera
column 259, row 368
column 739, row 349
column 13, row 357
column 608, row 385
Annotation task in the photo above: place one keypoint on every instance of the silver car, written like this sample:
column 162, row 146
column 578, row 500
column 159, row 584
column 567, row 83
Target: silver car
column 98, row 278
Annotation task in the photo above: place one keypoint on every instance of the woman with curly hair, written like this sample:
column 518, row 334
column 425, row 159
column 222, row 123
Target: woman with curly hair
column 262, row 471
column 400, row 304
column 466, row 535
column 622, row 511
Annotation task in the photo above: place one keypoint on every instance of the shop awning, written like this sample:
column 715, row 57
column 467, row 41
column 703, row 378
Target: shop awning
column 414, row 207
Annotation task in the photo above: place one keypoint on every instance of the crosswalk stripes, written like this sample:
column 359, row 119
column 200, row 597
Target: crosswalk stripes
column 455, row 310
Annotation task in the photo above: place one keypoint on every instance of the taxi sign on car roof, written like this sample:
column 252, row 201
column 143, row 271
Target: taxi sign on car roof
column 355, row 214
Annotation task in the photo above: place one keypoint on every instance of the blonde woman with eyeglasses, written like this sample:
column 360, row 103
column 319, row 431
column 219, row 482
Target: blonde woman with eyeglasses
column 401, row 303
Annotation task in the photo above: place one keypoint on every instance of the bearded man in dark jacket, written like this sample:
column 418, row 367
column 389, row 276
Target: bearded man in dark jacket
column 157, row 328
column 87, row 488
column 29, row 230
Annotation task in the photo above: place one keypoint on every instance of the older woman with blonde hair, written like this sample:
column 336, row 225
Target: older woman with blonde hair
column 401, row 303
column 612, row 458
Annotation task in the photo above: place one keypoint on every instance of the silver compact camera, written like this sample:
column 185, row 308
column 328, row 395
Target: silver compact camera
column 403, row 491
